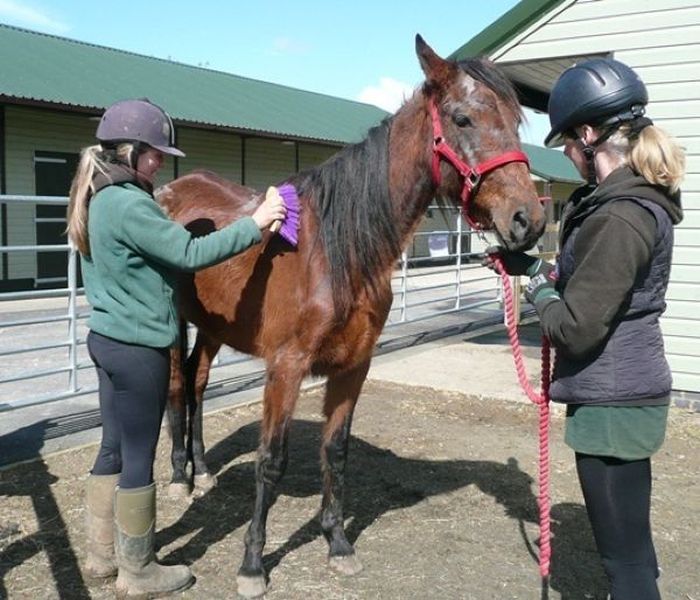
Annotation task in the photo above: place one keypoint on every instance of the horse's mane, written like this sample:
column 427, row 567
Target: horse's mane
column 350, row 195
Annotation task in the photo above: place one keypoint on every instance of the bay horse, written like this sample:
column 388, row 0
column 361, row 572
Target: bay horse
column 319, row 308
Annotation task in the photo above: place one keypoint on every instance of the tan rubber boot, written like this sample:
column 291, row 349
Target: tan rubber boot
column 99, row 526
column 140, row 575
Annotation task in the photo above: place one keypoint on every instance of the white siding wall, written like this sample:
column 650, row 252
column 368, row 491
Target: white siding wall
column 30, row 129
column 27, row 130
column 661, row 41
column 312, row 155
column 216, row 151
column 267, row 162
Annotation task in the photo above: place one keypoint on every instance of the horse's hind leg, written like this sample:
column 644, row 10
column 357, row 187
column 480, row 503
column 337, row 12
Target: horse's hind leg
column 342, row 392
column 198, row 368
column 185, row 415
column 281, row 393
column 177, row 418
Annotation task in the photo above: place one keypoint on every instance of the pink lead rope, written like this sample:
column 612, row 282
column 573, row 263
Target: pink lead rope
column 542, row 401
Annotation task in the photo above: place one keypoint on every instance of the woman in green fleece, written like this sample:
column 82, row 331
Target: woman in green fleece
column 600, row 305
column 131, row 253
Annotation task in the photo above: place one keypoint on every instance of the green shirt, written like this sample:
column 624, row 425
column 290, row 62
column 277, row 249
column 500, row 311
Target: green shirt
column 135, row 254
column 626, row 432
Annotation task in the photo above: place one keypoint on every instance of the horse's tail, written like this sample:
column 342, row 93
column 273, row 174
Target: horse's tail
column 182, row 344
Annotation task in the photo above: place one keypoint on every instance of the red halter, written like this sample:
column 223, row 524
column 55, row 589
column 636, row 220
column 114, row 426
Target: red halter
column 471, row 175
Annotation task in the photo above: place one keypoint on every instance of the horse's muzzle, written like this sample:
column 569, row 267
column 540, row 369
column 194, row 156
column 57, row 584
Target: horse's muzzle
column 524, row 231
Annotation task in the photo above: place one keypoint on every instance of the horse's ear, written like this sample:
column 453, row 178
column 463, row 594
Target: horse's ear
column 438, row 71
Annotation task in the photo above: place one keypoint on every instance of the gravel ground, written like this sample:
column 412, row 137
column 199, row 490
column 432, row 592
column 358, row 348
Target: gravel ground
column 440, row 503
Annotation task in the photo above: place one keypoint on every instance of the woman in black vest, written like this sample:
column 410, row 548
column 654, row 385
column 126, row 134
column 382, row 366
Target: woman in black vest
column 600, row 305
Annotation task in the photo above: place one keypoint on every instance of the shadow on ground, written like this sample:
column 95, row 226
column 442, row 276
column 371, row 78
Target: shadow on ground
column 379, row 481
column 34, row 481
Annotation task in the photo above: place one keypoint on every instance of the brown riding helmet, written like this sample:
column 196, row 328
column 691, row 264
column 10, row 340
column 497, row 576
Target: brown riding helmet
column 138, row 121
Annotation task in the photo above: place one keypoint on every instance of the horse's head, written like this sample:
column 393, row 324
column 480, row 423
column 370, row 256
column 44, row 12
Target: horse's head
column 477, row 157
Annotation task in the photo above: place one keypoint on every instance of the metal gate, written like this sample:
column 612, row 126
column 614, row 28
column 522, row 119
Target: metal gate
column 44, row 357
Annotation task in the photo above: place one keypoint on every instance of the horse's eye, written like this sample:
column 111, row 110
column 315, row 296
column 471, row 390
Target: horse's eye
column 462, row 120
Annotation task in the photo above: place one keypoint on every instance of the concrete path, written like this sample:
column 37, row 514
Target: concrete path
column 441, row 353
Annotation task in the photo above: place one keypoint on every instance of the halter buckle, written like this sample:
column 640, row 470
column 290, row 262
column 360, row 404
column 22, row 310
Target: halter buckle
column 472, row 179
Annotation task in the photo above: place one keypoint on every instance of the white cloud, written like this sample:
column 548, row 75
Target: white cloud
column 286, row 45
column 21, row 14
column 389, row 94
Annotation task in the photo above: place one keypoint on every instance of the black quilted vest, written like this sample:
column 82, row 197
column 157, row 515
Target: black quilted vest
column 630, row 368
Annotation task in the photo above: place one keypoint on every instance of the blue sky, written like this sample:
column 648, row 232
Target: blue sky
column 357, row 49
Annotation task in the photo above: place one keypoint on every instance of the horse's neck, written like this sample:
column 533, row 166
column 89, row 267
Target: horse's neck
column 410, row 166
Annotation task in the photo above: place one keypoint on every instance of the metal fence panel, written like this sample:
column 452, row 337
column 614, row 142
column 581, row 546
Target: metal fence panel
column 44, row 331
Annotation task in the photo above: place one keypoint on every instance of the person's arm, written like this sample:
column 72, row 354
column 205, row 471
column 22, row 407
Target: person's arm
column 145, row 228
column 611, row 250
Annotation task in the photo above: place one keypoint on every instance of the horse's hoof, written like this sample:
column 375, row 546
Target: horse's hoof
column 251, row 587
column 179, row 490
column 204, row 483
column 345, row 565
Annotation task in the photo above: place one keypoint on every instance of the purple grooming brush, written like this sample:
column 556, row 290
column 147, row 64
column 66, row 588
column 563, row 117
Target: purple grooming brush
column 289, row 228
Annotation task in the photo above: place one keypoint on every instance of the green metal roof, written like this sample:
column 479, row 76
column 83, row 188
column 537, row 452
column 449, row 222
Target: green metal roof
column 60, row 71
column 551, row 165
column 518, row 18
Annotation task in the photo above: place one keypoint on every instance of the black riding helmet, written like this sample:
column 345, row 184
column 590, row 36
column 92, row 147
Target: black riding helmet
column 138, row 121
column 600, row 91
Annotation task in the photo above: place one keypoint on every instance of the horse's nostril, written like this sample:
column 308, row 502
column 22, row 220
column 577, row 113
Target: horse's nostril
column 520, row 224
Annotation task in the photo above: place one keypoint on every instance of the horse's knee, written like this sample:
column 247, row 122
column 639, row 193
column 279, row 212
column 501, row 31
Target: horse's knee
column 271, row 464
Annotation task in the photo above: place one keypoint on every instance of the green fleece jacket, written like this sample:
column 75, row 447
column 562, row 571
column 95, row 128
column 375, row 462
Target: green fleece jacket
column 135, row 254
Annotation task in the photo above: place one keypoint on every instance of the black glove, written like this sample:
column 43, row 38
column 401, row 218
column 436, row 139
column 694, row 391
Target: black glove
column 540, row 289
column 515, row 263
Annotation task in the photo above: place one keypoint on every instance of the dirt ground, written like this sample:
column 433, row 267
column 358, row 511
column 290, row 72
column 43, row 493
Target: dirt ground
column 440, row 503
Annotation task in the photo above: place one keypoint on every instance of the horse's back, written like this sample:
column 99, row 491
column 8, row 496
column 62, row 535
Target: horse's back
column 253, row 300
column 272, row 296
column 204, row 194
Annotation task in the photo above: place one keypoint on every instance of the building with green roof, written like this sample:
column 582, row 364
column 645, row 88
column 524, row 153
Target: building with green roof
column 537, row 39
column 54, row 89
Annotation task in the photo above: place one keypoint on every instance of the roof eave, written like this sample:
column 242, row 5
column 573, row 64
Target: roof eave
column 505, row 28
column 554, row 178
column 96, row 111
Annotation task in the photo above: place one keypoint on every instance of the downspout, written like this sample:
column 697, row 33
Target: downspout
column 243, row 139
column 5, row 273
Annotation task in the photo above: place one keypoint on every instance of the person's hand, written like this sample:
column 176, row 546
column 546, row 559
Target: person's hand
column 272, row 209
column 541, row 287
column 515, row 263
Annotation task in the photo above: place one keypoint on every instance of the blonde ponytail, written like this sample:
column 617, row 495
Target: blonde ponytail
column 92, row 159
column 80, row 193
column 658, row 158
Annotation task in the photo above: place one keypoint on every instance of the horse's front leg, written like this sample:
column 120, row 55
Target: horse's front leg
column 198, row 369
column 281, row 394
column 342, row 392
column 177, row 419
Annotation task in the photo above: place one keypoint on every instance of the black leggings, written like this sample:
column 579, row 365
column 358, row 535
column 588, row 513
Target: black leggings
column 133, row 382
column 618, row 496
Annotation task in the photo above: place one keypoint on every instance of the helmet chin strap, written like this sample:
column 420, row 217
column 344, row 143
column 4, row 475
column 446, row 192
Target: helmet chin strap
column 589, row 151
column 136, row 152
column 589, row 154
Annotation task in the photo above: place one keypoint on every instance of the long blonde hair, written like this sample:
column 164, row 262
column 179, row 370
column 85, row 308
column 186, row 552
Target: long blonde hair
column 653, row 153
column 93, row 159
